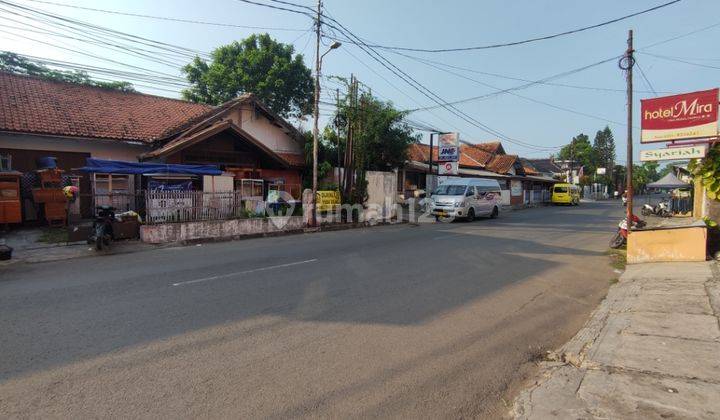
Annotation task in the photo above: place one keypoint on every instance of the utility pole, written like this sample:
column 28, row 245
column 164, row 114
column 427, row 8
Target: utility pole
column 431, row 150
column 630, row 61
column 316, row 115
column 337, row 135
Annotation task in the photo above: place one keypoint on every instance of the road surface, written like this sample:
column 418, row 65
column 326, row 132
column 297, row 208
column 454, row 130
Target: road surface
column 438, row 320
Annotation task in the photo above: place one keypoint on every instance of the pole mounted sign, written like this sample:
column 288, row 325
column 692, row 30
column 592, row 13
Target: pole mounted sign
column 678, row 117
column 448, row 168
column 449, row 147
column 673, row 153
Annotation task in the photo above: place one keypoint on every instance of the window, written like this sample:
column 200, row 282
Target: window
column 111, row 184
column 561, row 190
column 5, row 162
column 450, row 189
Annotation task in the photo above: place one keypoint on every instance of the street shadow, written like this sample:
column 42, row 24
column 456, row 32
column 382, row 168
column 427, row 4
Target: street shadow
column 393, row 276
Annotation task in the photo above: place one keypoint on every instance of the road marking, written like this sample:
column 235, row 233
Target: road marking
column 255, row 270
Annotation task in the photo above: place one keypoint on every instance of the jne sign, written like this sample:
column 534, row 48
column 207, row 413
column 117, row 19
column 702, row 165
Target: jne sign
column 673, row 153
column 687, row 116
column 449, row 147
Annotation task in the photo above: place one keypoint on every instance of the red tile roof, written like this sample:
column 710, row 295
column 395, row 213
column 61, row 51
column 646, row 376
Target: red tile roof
column 491, row 147
column 471, row 156
column 33, row 105
column 501, row 164
column 474, row 155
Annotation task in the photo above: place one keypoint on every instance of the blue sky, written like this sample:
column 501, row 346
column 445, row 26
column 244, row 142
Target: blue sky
column 434, row 24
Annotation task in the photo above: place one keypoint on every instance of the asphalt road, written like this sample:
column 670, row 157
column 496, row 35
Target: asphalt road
column 439, row 320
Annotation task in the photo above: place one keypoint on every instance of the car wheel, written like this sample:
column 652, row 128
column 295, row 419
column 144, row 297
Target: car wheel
column 494, row 213
column 470, row 215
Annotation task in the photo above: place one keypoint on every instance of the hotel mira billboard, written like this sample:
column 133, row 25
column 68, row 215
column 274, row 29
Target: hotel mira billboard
column 679, row 117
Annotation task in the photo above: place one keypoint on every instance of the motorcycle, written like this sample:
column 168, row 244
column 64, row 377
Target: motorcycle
column 620, row 237
column 662, row 209
column 102, row 232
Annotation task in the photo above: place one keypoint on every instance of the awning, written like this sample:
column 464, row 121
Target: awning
column 668, row 181
column 137, row 168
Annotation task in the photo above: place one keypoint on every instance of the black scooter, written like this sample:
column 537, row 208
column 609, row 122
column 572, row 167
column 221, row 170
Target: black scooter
column 102, row 232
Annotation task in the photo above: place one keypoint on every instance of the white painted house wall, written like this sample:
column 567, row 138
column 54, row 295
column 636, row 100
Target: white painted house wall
column 100, row 149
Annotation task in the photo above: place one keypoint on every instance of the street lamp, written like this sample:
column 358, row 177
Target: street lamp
column 316, row 115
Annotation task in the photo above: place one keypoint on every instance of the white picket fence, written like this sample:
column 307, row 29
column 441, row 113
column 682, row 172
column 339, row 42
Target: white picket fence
column 537, row 196
column 190, row 206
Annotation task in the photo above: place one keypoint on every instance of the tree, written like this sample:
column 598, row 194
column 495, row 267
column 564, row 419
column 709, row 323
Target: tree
column 580, row 152
column 14, row 63
column 644, row 174
column 604, row 149
column 258, row 64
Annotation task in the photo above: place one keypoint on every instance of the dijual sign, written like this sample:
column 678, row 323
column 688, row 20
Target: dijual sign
column 678, row 117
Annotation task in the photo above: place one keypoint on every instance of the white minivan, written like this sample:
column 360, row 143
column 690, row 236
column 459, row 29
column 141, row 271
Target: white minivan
column 466, row 198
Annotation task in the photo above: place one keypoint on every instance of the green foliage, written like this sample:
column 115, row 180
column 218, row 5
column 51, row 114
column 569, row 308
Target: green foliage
column 257, row 64
column 709, row 222
column 708, row 171
column 604, row 149
column 13, row 63
column 381, row 136
column 644, row 174
column 598, row 154
column 327, row 157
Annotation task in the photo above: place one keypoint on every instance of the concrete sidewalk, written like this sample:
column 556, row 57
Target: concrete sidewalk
column 651, row 350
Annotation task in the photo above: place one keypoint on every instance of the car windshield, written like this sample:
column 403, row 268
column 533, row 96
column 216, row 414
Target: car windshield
column 561, row 189
column 450, row 189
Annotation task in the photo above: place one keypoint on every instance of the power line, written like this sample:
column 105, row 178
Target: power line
column 519, row 79
column 198, row 22
column 526, row 85
column 645, row 78
column 280, row 8
column 665, row 41
column 663, row 57
column 526, row 97
column 525, row 41
column 424, row 90
column 96, row 28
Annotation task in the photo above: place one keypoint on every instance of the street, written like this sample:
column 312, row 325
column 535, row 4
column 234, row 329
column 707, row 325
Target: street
column 436, row 320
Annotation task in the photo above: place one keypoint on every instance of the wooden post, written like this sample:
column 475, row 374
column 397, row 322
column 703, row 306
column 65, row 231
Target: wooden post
column 628, row 175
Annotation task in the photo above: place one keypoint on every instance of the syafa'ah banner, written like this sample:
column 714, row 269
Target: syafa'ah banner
column 679, row 117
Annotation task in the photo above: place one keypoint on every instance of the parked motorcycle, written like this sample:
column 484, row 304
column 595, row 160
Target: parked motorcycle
column 102, row 232
column 620, row 237
column 662, row 209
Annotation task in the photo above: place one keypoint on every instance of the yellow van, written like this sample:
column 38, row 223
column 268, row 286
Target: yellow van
column 565, row 194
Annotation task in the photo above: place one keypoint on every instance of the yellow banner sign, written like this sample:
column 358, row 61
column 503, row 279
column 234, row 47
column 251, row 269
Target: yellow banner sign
column 674, row 153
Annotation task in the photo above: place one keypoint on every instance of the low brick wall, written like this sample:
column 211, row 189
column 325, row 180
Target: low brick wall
column 218, row 229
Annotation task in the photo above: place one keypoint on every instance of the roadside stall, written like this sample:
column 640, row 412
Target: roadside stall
column 680, row 202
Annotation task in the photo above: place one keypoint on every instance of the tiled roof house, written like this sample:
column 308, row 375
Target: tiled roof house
column 73, row 122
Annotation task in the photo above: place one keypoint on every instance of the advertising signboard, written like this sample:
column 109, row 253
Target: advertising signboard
column 678, row 117
column 449, row 147
column 448, row 168
column 673, row 153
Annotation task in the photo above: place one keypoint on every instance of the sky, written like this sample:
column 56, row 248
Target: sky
column 533, row 122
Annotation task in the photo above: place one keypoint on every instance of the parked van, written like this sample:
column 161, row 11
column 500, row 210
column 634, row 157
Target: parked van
column 566, row 194
column 466, row 198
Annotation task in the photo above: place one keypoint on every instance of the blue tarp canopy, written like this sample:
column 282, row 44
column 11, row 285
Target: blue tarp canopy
column 120, row 167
